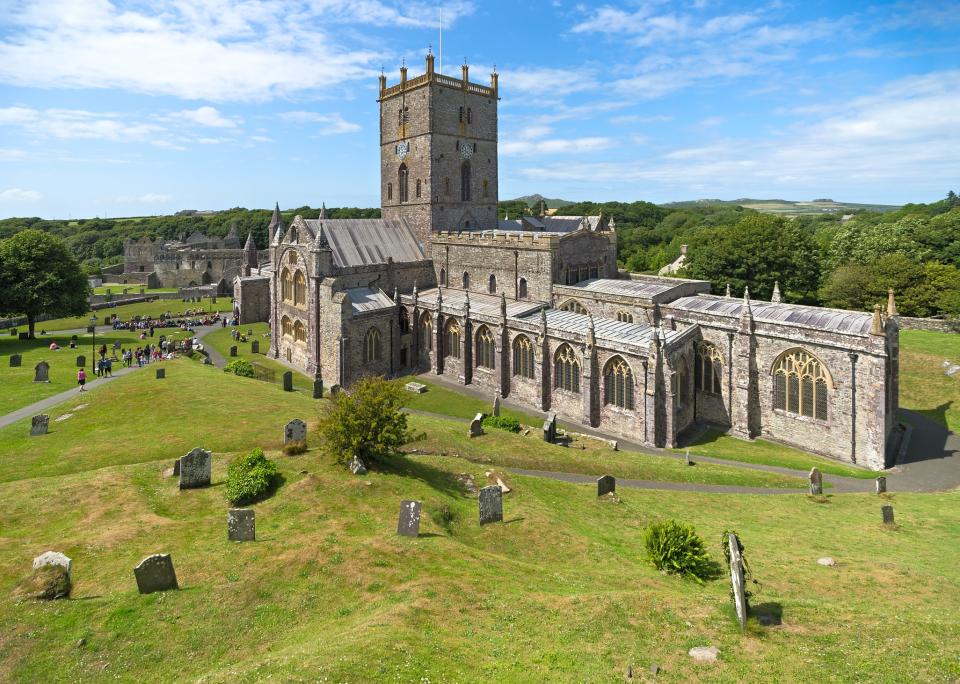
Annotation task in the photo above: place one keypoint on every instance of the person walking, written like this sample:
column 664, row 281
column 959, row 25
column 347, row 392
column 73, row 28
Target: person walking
column 108, row 367
column 82, row 379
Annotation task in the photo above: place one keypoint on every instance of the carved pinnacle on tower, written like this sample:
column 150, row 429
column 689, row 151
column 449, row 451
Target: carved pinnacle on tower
column 746, row 313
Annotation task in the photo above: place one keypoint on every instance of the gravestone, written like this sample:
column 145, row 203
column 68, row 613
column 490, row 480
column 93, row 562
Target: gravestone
column 816, row 482
column 606, row 485
column 887, row 514
column 53, row 558
column 16, row 360
column 317, row 389
column 23, row 336
column 288, row 381
column 408, row 525
column 550, row 428
column 496, row 405
column 233, row 351
column 241, row 524
column 295, row 431
column 881, row 484
column 255, row 347
column 81, row 361
column 155, row 573
column 491, row 504
column 195, row 469
column 90, row 329
column 161, row 373
column 41, row 372
column 476, row 425
column 737, row 580
column 416, row 387
column 13, row 332
column 249, row 332
column 39, row 425
column 356, row 466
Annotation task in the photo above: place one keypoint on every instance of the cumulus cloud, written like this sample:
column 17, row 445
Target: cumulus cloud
column 326, row 124
column 19, row 195
column 205, row 116
column 76, row 123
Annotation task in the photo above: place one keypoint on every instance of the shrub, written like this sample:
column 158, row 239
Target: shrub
column 251, row 477
column 239, row 367
column 294, row 447
column 502, row 423
column 676, row 548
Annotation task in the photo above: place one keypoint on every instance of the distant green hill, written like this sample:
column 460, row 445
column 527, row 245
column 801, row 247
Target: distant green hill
column 786, row 207
column 535, row 199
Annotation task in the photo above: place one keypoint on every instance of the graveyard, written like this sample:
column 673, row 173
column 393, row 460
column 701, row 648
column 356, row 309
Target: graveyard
column 345, row 580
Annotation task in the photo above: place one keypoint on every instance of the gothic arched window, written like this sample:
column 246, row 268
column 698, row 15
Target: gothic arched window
column 371, row 346
column 486, row 352
column 522, row 289
column 800, row 384
column 286, row 326
column 451, row 339
column 299, row 331
column 625, row 317
column 286, row 285
column 466, row 280
column 523, row 360
column 404, row 320
column 618, row 383
column 566, row 369
column 492, row 284
column 426, row 332
column 402, row 182
column 299, row 289
column 443, row 277
column 389, row 191
column 418, row 188
column 465, row 182
column 574, row 306
column 709, row 369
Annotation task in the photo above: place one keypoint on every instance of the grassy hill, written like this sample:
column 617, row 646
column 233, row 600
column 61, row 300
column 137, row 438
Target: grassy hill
column 535, row 199
column 786, row 207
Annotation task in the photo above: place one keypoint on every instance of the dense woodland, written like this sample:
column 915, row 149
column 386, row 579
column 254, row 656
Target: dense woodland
column 817, row 259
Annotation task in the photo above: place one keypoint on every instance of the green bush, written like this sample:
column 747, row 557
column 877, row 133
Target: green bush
column 239, row 367
column 502, row 423
column 676, row 548
column 251, row 477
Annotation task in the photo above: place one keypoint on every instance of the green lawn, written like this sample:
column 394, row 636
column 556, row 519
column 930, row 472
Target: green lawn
column 117, row 288
column 128, row 311
column 448, row 402
column 560, row 592
column 221, row 340
column 924, row 387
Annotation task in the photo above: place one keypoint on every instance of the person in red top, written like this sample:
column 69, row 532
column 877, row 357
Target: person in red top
column 82, row 379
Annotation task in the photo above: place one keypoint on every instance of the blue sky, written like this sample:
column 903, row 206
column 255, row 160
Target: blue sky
column 128, row 108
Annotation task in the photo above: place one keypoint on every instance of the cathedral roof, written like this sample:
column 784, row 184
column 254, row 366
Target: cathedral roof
column 454, row 300
column 606, row 329
column 364, row 299
column 550, row 224
column 362, row 242
column 644, row 288
column 812, row 317
column 196, row 237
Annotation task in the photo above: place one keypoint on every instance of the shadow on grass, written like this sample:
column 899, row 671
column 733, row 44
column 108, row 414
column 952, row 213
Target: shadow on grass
column 402, row 464
column 768, row 614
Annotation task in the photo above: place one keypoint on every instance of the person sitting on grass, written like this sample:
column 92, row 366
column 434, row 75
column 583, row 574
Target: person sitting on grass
column 54, row 346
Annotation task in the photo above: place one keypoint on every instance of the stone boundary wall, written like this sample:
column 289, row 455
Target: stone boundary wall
column 931, row 324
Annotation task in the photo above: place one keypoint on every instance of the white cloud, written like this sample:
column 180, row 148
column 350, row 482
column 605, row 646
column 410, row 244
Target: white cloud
column 555, row 146
column 147, row 198
column 261, row 139
column 19, row 195
column 76, row 123
column 205, row 116
column 329, row 124
column 11, row 155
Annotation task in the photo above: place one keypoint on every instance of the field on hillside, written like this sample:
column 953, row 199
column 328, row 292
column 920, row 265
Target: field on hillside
column 174, row 307
column 924, row 387
column 559, row 592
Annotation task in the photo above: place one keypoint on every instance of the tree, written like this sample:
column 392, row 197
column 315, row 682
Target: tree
column 952, row 199
column 367, row 422
column 39, row 275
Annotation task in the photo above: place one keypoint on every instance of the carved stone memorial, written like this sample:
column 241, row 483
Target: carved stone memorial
column 408, row 525
column 195, row 469
column 491, row 504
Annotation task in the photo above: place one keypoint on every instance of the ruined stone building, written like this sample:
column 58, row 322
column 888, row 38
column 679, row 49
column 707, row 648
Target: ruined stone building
column 535, row 309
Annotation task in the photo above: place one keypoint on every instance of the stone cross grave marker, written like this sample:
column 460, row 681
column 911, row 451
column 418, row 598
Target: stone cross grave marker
column 233, row 351
column 496, row 405
column 195, row 469
column 491, row 504
column 476, row 425
column 39, row 425
column 887, row 514
column 16, row 360
column 295, row 431
column 881, row 484
column 241, row 524
column 41, row 372
column 408, row 525
column 255, row 347
column 161, row 373
column 155, row 573
column 606, row 485
column 816, row 482
column 288, row 381
column 737, row 580
column 81, row 361
column 317, row 389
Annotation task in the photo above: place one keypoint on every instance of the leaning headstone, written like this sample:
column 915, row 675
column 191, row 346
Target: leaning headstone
column 288, row 381
column 881, row 484
column 606, row 485
column 155, row 573
column 550, row 428
column 195, row 469
column 737, row 580
column 476, row 425
column 295, row 431
column 255, row 347
column 81, row 361
column 317, row 389
column 408, row 525
column 241, row 524
column 816, row 482
column 39, row 425
column 496, row 405
column 233, row 351
column 16, row 360
column 41, row 372
column 51, row 576
column 491, row 504
column 887, row 514
column 161, row 373
column 53, row 558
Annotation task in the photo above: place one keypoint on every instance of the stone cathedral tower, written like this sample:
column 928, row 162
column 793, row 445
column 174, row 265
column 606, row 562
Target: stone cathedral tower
column 438, row 152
